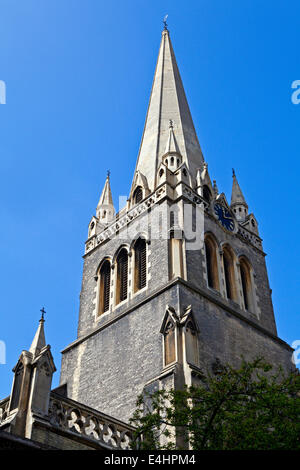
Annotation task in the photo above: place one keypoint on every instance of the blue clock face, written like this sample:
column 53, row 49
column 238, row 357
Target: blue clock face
column 224, row 217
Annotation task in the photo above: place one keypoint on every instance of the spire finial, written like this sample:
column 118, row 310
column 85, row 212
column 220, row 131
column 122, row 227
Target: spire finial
column 165, row 23
column 233, row 173
column 108, row 174
column 171, row 124
column 43, row 313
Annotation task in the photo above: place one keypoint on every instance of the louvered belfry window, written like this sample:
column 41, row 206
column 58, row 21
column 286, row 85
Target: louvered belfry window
column 138, row 195
column 246, row 285
column 122, row 275
column 229, row 275
column 104, row 287
column 211, row 264
column 140, row 264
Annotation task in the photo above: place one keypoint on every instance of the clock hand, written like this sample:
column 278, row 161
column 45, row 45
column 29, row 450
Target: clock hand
column 228, row 218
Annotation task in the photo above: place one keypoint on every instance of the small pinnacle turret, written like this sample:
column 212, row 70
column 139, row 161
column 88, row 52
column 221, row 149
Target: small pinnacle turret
column 204, row 185
column 215, row 188
column 172, row 146
column 238, row 202
column 105, row 209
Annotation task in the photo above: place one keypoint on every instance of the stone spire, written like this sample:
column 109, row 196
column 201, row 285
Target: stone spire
column 238, row 202
column 105, row 209
column 39, row 341
column 167, row 102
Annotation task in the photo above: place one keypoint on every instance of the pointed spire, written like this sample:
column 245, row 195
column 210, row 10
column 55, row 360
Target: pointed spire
column 167, row 101
column 39, row 341
column 106, row 195
column 238, row 202
column 237, row 196
column 105, row 209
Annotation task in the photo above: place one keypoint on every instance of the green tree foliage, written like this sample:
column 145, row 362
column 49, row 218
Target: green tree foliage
column 248, row 408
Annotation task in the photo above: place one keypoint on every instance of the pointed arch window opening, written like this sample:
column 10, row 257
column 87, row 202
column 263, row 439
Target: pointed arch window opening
column 122, row 276
column 211, row 264
column 105, row 278
column 229, row 275
column 140, row 268
column 246, row 285
column 138, row 195
column 207, row 193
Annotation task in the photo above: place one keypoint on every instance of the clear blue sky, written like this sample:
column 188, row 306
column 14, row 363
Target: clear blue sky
column 78, row 76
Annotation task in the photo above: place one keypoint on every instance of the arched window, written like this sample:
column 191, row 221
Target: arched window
column 246, row 284
column 206, row 193
column 140, row 268
column 169, row 342
column 211, row 263
column 122, row 275
column 104, row 287
column 191, row 343
column 138, row 195
column 229, row 274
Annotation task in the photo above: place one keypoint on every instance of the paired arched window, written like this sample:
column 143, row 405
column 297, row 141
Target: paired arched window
column 138, row 195
column 140, row 262
column 229, row 274
column 246, row 284
column 228, row 264
column 104, row 273
column 211, row 263
column 122, row 276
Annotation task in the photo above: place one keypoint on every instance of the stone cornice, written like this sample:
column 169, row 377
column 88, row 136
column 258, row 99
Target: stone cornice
column 222, row 303
column 180, row 191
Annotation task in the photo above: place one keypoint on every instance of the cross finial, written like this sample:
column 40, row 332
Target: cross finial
column 43, row 313
column 165, row 23
column 171, row 123
column 108, row 174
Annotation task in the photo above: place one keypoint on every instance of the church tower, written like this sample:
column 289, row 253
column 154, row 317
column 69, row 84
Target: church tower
column 176, row 280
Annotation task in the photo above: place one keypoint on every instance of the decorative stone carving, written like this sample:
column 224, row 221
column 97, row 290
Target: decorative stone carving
column 76, row 419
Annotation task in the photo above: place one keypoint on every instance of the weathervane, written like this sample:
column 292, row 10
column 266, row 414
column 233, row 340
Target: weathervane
column 165, row 23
